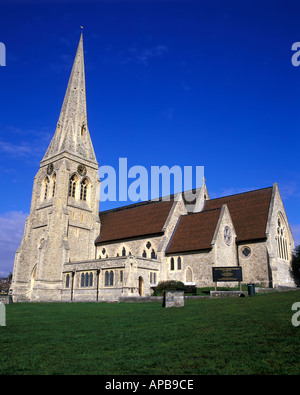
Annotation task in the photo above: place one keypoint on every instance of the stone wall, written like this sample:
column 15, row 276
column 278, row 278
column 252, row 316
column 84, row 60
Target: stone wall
column 255, row 265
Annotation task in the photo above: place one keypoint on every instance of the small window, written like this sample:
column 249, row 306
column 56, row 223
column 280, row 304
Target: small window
column 121, row 276
column 179, row 263
column 91, row 279
column 246, row 252
column 111, row 278
column 144, row 254
column 153, row 255
column 152, row 278
column 227, row 235
column 106, row 283
column 123, row 251
column 67, row 280
column 82, row 280
column 172, row 264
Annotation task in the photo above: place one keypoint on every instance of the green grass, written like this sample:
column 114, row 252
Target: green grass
column 251, row 335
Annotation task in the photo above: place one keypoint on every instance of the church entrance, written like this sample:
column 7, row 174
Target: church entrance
column 141, row 286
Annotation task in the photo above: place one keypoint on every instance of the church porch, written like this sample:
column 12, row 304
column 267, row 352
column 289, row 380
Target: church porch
column 109, row 279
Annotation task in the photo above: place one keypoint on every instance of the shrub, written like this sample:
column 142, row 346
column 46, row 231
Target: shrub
column 169, row 286
column 296, row 263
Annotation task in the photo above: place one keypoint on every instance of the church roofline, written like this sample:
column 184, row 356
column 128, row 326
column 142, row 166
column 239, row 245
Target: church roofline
column 242, row 193
column 171, row 197
column 165, row 198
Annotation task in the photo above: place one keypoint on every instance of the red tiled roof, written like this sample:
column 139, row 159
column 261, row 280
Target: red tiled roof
column 249, row 212
column 194, row 232
column 133, row 221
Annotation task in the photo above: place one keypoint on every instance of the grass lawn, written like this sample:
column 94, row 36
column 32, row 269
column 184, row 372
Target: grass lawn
column 251, row 335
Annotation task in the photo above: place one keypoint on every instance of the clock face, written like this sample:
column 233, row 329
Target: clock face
column 227, row 235
column 81, row 170
column 50, row 168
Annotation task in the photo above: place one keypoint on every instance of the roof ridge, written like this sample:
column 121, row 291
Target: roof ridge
column 159, row 199
column 133, row 205
column 242, row 193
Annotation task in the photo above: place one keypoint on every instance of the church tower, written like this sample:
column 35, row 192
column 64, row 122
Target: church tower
column 64, row 216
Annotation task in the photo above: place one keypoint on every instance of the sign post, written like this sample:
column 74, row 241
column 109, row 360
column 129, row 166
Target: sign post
column 227, row 273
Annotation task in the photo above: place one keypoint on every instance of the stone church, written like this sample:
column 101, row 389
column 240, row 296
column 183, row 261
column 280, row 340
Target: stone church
column 70, row 251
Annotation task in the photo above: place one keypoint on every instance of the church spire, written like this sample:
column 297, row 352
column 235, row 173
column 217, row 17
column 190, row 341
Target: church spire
column 72, row 134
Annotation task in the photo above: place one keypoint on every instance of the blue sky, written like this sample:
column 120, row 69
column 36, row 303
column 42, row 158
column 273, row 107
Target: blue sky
column 198, row 83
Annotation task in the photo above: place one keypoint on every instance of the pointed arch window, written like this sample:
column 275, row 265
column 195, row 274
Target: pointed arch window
column 72, row 186
column 172, row 264
column 106, row 282
column 86, row 279
column 179, row 263
column 53, row 184
column 91, row 280
column 123, row 251
column 282, row 240
column 83, row 189
column 67, row 280
column 46, row 187
column 111, row 278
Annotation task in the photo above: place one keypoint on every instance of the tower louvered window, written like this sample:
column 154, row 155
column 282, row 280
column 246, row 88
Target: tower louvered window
column 83, row 190
column 72, row 186
column 53, row 185
column 46, row 188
